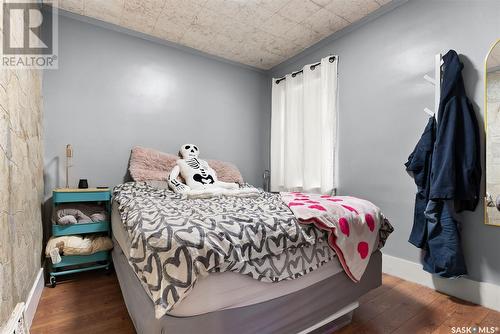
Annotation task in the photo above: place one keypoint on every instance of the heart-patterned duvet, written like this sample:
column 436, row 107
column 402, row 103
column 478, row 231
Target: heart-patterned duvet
column 175, row 240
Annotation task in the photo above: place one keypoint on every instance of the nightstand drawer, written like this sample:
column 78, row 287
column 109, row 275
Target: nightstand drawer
column 59, row 230
column 86, row 196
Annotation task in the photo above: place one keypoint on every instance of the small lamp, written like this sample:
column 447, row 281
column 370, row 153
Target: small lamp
column 69, row 155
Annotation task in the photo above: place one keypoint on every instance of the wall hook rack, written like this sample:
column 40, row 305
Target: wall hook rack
column 436, row 81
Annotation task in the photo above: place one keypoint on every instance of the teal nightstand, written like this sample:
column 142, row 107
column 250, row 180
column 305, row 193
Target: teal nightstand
column 70, row 264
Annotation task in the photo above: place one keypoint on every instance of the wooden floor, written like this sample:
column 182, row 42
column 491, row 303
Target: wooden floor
column 89, row 303
column 92, row 303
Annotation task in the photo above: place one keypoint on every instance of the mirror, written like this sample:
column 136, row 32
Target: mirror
column 492, row 123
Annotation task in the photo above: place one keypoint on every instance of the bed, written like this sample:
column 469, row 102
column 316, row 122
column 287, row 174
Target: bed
column 306, row 290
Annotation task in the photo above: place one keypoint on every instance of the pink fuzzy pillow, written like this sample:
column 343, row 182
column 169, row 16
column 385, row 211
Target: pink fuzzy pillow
column 147, row 164
column 226, row 171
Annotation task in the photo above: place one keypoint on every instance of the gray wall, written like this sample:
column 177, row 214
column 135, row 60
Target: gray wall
column 113, row 91
column 382, row 96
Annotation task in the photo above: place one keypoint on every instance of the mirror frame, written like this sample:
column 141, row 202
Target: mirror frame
column 485, row 199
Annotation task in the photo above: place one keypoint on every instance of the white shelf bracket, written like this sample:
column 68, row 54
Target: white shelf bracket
column 430, row 112
column 429, row 79
column 436, row 81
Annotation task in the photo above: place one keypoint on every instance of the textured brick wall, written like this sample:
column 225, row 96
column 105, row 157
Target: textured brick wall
column 21, row 185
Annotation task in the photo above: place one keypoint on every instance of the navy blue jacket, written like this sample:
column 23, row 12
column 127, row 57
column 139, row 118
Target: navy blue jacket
column 419, row 164
column 456, row 160
column 447, row 171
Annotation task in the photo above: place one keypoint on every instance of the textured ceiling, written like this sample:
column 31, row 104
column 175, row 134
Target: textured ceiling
column 259, row 33
column 494, row 57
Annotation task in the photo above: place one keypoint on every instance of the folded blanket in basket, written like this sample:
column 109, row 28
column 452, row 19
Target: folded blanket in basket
column 79, row 245
column 79, row 214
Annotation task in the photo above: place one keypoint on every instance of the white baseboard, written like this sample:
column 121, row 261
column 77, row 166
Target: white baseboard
column 34, row 298
column 482, row 293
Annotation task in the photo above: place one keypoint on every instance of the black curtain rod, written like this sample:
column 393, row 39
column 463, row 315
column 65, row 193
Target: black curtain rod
column 313, row 66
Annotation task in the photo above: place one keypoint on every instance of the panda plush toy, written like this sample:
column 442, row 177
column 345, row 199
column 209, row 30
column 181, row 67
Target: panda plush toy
column 201, row 180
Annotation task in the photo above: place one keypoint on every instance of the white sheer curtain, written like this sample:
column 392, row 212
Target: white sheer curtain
column 304, row 129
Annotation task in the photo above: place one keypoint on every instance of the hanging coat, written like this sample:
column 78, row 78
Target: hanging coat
column 419, row 164
column 447, row 171
column 456, row 162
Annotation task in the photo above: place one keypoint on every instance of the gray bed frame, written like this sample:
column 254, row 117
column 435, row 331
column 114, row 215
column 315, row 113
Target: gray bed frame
column 289, row 314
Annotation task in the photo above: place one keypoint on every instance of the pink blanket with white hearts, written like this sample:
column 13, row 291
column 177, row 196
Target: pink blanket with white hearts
column 352, row 225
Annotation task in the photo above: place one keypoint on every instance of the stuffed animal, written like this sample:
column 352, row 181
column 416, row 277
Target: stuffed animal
column 198, row 175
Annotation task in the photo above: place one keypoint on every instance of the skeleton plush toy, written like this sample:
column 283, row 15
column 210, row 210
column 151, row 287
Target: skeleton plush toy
column 200, row 178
